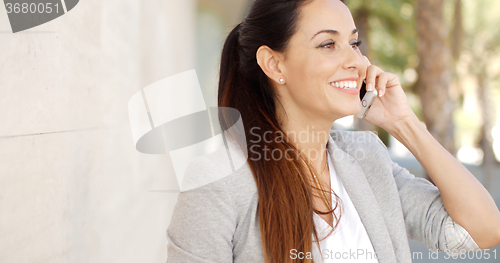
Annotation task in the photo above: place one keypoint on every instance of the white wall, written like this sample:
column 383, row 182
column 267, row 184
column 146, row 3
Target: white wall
column 72, row 186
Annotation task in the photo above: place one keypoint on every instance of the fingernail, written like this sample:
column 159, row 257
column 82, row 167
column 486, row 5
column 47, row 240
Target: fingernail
column 380, row 93
column 369, row 87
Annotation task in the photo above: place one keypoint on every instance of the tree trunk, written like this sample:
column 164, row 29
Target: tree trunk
column 434, row 78
column 457, row 39
column 486, row 142
column 457, row 33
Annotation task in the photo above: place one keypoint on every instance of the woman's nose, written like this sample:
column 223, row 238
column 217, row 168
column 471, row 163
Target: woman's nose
column 352, row 59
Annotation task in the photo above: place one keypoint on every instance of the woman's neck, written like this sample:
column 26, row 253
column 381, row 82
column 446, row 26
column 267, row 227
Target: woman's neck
column 309, row 138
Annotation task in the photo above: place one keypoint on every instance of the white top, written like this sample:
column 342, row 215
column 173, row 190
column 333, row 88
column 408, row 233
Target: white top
column 349, row 242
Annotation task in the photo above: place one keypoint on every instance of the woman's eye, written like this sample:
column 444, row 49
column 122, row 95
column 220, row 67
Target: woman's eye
column 356, row 44
column 327, row 45
column 331, row 44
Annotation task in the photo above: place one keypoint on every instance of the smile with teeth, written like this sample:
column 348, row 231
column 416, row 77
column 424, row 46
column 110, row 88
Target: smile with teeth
column 345, row 84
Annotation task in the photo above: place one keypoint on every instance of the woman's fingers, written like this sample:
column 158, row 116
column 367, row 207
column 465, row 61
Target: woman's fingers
column 382, row 83
column 369, row 85
column 371, row 75
column 367, row 61
column 375, row 75
column 393, row 79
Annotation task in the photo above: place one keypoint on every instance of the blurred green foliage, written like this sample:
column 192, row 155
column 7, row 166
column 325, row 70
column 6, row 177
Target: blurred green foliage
column 392, row 35
column 393, row 40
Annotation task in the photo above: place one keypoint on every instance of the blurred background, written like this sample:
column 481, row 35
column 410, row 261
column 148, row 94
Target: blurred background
column 74, row 189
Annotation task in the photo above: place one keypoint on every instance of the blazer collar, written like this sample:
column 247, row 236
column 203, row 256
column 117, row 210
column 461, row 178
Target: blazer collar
column 357, row 187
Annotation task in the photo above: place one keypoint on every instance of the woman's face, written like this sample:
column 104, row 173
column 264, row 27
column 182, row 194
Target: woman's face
column 321, row 62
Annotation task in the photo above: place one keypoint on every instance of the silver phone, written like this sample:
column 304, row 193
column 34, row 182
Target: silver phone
column 367, row 99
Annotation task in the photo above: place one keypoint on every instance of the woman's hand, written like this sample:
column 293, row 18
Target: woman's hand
column 391, row 106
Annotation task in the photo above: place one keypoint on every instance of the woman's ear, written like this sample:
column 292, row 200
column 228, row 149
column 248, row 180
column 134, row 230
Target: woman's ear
column 269, row 62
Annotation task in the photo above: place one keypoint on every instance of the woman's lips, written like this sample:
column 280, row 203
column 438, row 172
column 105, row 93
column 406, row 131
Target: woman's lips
column 352, row 91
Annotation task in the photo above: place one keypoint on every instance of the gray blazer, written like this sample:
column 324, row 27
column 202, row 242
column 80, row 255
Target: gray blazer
column 219, row 222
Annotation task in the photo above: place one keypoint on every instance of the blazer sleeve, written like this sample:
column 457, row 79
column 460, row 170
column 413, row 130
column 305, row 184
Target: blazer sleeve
column 202, row 226
column 426, row 218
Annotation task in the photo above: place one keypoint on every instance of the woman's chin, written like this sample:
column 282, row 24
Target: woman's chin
column 350, row 110
column 340, row 109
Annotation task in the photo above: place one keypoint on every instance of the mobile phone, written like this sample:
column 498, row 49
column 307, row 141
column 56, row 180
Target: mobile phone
column 367, row 99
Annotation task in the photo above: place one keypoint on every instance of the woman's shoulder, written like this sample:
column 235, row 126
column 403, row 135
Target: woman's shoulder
column 212, row 180
column 216, row 168
column 357, row 139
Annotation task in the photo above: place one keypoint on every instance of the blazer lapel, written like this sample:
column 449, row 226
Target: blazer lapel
column 357, row 187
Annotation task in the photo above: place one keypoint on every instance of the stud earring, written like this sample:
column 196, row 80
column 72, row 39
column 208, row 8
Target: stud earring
column 281, row 80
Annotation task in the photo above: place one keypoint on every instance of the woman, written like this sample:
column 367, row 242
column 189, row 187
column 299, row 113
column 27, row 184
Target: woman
column 291, row 68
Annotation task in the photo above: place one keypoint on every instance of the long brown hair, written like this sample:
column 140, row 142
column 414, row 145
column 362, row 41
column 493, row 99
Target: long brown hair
column 284, row 186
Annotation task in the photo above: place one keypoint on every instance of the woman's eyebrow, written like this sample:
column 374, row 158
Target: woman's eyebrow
column 335, row 32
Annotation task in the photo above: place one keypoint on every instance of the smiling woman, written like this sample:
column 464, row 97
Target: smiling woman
column 292, row 67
